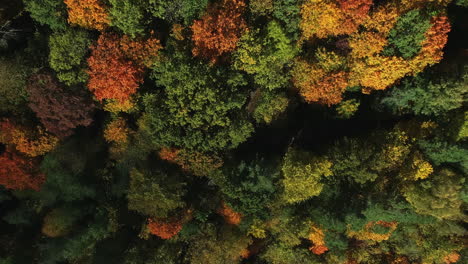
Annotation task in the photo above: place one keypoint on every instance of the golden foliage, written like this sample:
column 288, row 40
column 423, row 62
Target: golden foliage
column 366, row 44
column 418, row 168
column 91, row 14
column 198, row 163
column 320, row 19
column 317, row 237
column 32, row 143
column 116, row 106
column 117, row 131
column 316, row 85
column 367, row 234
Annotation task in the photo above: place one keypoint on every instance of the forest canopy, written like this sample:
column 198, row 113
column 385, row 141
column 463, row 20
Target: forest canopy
column 233, row 131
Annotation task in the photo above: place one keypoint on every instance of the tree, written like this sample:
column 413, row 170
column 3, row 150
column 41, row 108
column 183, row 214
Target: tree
column 346, row 109
column 117, row 131
column 364, row 160
column 266, row 106
column 58, row 110
column 422, row 95
column 288, row 13
column 67, row 169
column 230, row 216
column 128, row 16
column 219, row 30
column 199, row 108
column 145, row 52
column 147, row 194
column 316, row 85
column 302, row 175
column 322, row 19
column 19, row 173
column 13, row 96
column 90, row 14
column 439, row 196
column 217, row 245
column 178, row 11
column 59, row 222
column 250, row 186
column 406, row 38
column 197, row 163
column 67, row 52
column 111, row 75
column 266, row 56
column 164, row 229
column 48, row 12
column 31, row 142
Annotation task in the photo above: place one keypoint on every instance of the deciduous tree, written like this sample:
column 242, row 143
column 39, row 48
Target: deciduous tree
column 219, row 30
column 58, row 110
column 19, row 173
column 111, row 75
column 90, row 14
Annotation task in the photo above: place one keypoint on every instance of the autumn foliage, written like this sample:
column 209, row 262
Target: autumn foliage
column 219, row 30
column 112, row 75
column 198, row 163
column 142, row 51
column 59, row 110
column 116, row 131
column 91, row 14
column 316, row 85
column 163, row 229
column 230, row 216
column 368, row 234
column 27, row 141
column 317, row 237
column 19, row 173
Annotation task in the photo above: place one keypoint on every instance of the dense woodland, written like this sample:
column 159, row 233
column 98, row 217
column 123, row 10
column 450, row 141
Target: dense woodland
column 233, row 131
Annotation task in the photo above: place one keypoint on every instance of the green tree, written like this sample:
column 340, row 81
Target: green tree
column 406, row 37
column 288, row 12
column 67, row 55
column 280, row 254
column 128, row 16
column 200, row 108
column 266, row 56
column 13, row 96
column 422, row 95
column 48, row 12
column 67, row 170
column 302, row 175
column 267, row 105
column 363, row 160
column 217, row 245
column 154, row 194
column 178, row 11
column 250, row 187
column 438, row 196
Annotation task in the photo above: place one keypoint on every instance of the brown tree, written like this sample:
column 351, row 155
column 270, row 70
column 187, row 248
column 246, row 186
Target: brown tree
column 60, row 111
column 19, row 173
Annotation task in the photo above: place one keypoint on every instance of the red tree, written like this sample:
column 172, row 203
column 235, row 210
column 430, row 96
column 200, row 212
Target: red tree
column 219, row 29
column 164, row 229
column 60, row 111
column 112, row 76
column 18, row 173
